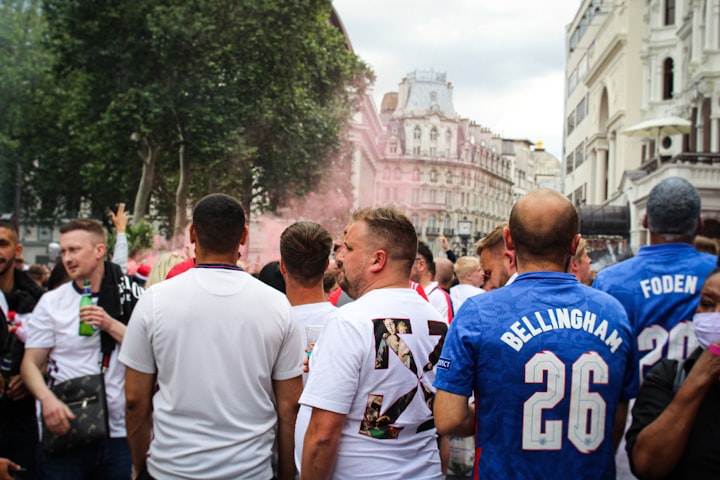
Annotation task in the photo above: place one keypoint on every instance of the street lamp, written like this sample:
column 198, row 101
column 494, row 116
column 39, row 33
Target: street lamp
column 464, row 232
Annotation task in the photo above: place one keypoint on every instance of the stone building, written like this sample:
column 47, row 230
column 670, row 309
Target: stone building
column 446, row 172
column 631, row 65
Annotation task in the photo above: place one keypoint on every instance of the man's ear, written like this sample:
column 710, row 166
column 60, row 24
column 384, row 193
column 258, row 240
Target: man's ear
column 575, row 243
column 193, row 235
column 509, row 245
column 379, row 260
column 645, row 221
column 243, row 239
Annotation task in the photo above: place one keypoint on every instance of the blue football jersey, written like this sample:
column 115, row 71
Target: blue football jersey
column 548, row 360
column 660, row 290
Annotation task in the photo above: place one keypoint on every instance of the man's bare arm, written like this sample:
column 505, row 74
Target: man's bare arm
column 55, row 413
column 138, row 414
column 287, row 394
column 453, row 415
column 321, row 444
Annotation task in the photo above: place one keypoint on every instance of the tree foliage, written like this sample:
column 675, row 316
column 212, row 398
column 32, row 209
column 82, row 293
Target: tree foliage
column 176, row 99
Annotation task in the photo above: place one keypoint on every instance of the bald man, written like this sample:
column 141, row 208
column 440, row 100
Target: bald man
column 549, row 360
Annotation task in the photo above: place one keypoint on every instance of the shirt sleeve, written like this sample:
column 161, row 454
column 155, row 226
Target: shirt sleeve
column 120, row 252
column 290, row 358
column 335, row 365
column 456, row 369
column 136, row 350
column 40, row 327
column 655, row 395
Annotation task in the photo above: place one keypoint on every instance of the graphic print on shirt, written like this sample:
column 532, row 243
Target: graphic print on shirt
column 388, row 337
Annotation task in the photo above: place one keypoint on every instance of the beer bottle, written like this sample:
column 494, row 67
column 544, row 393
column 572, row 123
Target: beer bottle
column 86, row 299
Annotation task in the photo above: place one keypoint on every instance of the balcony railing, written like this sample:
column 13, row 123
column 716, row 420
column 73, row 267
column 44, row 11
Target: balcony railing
column 682, row 158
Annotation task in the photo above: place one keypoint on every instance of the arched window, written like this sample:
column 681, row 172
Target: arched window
column 668, row 67
column 433, row 176
column 417, row 133
column 432, row 222
column 448, row 177
column 433, row 135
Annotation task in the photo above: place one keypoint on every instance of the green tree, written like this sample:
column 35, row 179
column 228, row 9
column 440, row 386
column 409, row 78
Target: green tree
column 246, row 97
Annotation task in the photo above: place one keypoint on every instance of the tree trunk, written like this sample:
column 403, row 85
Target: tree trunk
column 181, row 193
column 142, row 198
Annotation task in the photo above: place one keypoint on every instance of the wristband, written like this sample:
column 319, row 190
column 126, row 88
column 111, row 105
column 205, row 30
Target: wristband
column 714, row 349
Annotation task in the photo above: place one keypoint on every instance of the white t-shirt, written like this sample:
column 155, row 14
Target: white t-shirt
column 216, row 338
column 361, row 369
column 54, row 324
column 312, row 314
column 438, row 298
column 461, row 292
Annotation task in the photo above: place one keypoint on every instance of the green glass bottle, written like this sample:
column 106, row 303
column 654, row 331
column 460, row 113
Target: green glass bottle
column 86, row 299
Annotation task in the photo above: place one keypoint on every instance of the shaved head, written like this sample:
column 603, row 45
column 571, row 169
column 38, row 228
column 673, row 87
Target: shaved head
column 543, row 225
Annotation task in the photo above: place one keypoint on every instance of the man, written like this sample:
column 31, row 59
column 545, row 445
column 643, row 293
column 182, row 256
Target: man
column 226, row 355
column 18, row 422
column 470, row 278
column 304, row 256
column 548, row 359
column 52, row 338
column 370, row 373
column 444, row 273
column 579, row 264
column 498, row 262
column 660, row 287
column 423, row 273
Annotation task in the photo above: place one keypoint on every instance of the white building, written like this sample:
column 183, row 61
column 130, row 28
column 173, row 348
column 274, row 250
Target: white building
column 630, row 62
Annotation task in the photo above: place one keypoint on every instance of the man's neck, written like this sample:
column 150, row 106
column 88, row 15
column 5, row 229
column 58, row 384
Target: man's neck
column 299, row 295
column 7, row 280
column 95, row 278
column 658, row 239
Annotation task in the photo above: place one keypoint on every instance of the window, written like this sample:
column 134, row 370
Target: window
column 580, row 111
column 416, row 150
column 569, row 166
column 433, row 151
column 448, row 177
column 579, row 155
column 571, row 123
column 417, row 133
column 668, row 67
column 433, row 135
column 669, row 12
column 393, row 148
column 433, row 176
column 572, row 81
column 415, row 195
column 448, row 199
column 416, row 175
column 448, row 136
column 433, row 196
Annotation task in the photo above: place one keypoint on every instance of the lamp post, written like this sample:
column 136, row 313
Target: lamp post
column 464, row 231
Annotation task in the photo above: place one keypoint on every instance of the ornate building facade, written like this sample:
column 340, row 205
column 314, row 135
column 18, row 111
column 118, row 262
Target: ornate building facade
column 447, row 173
column 633, row 63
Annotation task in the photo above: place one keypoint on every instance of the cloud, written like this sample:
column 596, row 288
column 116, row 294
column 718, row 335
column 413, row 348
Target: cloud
column 505, row 59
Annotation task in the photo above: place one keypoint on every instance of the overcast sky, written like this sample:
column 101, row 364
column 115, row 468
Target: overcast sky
column 505, row 58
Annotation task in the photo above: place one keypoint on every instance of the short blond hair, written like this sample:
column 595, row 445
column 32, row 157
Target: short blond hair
column 465, row 265
column 492, row 240
column 581, row 249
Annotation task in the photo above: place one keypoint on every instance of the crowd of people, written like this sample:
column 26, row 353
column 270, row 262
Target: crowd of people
column 361, row 356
